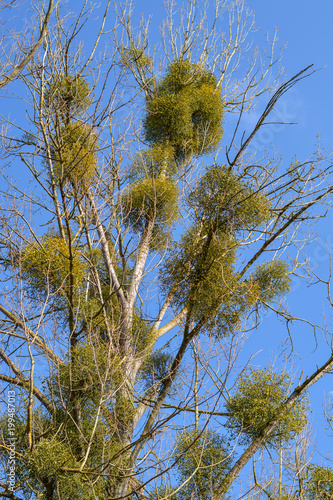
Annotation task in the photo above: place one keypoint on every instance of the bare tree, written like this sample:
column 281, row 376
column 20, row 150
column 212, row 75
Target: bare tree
column 134, row 264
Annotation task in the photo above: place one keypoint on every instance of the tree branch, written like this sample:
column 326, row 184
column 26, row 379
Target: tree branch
column 35, row 339
column 17, row 70
column 22, row 381
column 259, row 441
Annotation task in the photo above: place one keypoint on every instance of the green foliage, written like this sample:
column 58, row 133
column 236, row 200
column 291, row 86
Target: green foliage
column 258, row 399
column 135, row 56
column 205, row 457
column 47, row 464
column 155, row 161
column 272, row 279
column 200, row 269
column 200, row 272
column 72, row 391
column 151, row 199
column 186, row 111
column 163, row 492
column 74, row 149
column 93, row 317
column 84, row 371
column 222, row 201
column 319, row 483
column 156, row 368
column 52, row 267
column 48, row 458
column 69, row 95
column 75, row 158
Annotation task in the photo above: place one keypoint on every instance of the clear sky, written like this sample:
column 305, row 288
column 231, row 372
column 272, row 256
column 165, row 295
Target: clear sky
column 304, row 28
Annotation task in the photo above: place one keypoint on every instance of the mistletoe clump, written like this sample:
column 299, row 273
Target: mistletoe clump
column 75, row 157
column 222, row 201
column 151, row 200
column 53, row 266
column 205, row 457
column 185, row 111
column 258, row 400
column 68, row 95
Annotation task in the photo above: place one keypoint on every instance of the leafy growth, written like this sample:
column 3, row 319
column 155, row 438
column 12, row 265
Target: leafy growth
column 151, row 200
column 204, row 457
column 53, row 266
column 68, row 95
column 186, row 111
column 272, row 279
column 319, row 484
column 223, row 202
column 75, row 158
column 258, row 399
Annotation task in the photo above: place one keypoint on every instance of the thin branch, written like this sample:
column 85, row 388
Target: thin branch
column 270, row 427
column 22, row 381
column 17, row 70
column 35, row 339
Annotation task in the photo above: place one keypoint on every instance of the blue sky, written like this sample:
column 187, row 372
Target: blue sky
column 304, row 29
